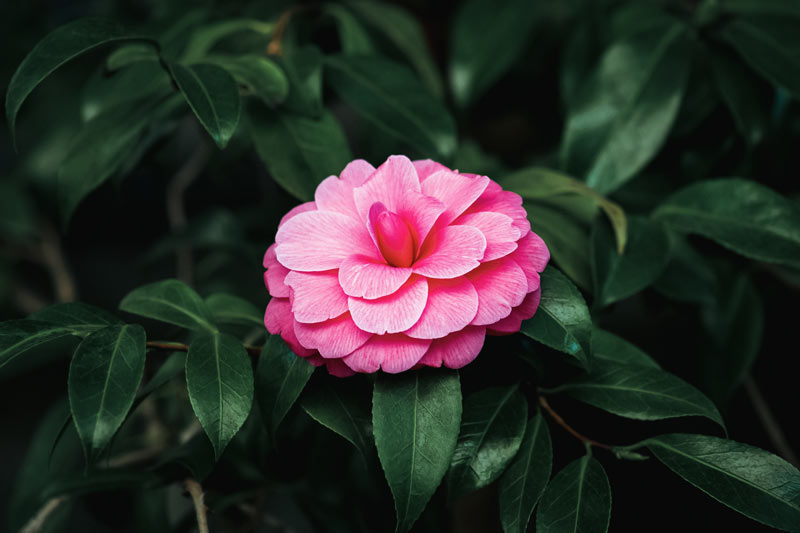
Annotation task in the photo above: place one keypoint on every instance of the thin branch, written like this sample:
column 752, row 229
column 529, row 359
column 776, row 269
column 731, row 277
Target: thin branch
column 38, row 521
column 196, row 492
column 770, row 423
column 180, row 347
column 53, row 258
column 560, row 421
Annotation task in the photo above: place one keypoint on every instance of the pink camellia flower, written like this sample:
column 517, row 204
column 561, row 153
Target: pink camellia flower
column 407, row 265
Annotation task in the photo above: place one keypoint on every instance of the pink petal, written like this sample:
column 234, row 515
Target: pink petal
column 501, row 235
column 513, row 322
column 275, row 277
column 457, row 349
column 279, row 321
column 450, row 252
column 321, row 240
column 333, row 338
column 364, row 277
column 501, row 286
column 532, row 255
column 337, row 367
column 357, row 172
column 509, row 203
column 269, row 256
column 316, row 296
column 394, row 353
column 316, row 359
column 296, row 210
column 456, row 191
column 420, row 212
column 394, row 313
column 452, row 304
column 336, row 195
column 426, row 167
column 388, row 185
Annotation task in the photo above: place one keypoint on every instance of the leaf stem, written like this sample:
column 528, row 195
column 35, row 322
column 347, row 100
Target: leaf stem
column 195, row 490
column 39, row 520
column 180, row 347
column 560, row 421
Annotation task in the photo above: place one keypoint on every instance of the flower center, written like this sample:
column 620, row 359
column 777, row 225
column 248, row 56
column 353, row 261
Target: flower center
column 394, row 237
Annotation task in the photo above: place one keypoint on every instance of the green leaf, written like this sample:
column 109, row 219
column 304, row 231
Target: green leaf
column 299, row 152
column 639, row 392
column 620, row 275
column 523, row 483
column 621, row 120
column 213, row 95
column 340, row 409
column 103, row 378
column 77, row 315
column 219, row 378
column 205, row 37
column 759, row 7
column 606, row 345
column 416, row 417
column 389, row 96
column 566, row 238
column 105, row 480
column 405, row 33
column 303, row 68
column 19, row 336
column 562, row 321
column 169, row 301
column 280, row 378
column 485, row 41
column 230, row 309
column 688, row 276
column 258, row 76
column 492, row 427
column 747, row 479
column 169, row 370
column 741, row 215
column 131, row 53
column 577, row 499
column 353, row 38
column 57, row 47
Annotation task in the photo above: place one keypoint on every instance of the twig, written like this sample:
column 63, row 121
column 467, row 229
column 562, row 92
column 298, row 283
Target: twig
column 180, row 347
column 38, row 521
column 196, row 492
column 770, row 423
column 52, row 257
column 560, row 421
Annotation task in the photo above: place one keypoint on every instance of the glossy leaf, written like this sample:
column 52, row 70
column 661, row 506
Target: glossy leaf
column 170, row 369
column 562, row 321
column 129, row 54
column 688, row 276
column 205, row 37
column 523, row 483
column 416, row 417
column 389, row 96
column 219, row 378
column 169, row 301
column 639, row 392
column 606, row 345
column 230, row 309
column 578, row 499
column 19, row 336
column 104, row 376
column 342, row 411
column 747, row 479
column 566, row 238
column 76, row 315
column 299, row 152
column 486, row 40
column 303, row 68
column 213, row 96
column 492, row 427
column 620, row 275
column 257, row 75
column 353, row 37
column 739, row 214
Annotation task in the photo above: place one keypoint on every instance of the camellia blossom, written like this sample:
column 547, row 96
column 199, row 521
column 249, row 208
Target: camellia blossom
column 408, row 265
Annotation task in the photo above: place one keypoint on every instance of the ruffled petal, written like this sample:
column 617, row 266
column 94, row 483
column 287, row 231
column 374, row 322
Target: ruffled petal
column 501, row 235
column 513, row 322
column 420, row 213
column 456, row 191
column 357, row 172
column 363, row 277
column 279, row 321
column 452, row 304
column 336, row 195
column 394, row 313
column 333, row 338
column 316, row 296
column 457, row 349
column 388, row 185
column 337, row 367
column 275, row 279
column 296, row 210
column 501, row 286
column 509, row 203
column 394, row 353
column 532, row 255
column 269, row 256
column 450, row 252
column 426, row 167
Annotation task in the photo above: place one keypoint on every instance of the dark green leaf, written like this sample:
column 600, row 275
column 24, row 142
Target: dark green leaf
column 17, row 212
column 140, row 85
column 639, row 392
column 280, row 378
column 303, row 68
column 131, row 53
column 486, row 40
column 606, row 345
column 388, row 95
column 523, row 483
column 169, row 370
column 101, row 481
column 578, row 499
column 741, row 215
column 342, row 411
column 103, row 378
column 19, row 336
column 229, row 309
column 416, row 417
column 567, row 240
column 492, row 427
column 258, row 75
column 205, row 37
column 219, row 378
column 562, row 321
column 749, row 480
column 169, row 301
column 760, row 7
column 76, row 315
column 688, row 276
column 299, row 152
column 618, row 276
column 353, row 37
column 213, row 95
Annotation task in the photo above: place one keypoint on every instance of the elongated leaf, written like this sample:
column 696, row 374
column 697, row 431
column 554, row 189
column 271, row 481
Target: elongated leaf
column 566, row 238
column 19, row 336
column 104, row 480
column 688, row 276
column 492, row 427
column 416, row 417
column 169, row 301
column 299, row 152
column 219, row 378
column 739, row 214
column 760, row 7
column 303, row 68
column 747, row 479
column 76, row 315
column 339, row 409
column 578, row 499
column 487, row 38
column 639, row 392
column 131, row 53
column 258, row 75
column 606, row 345
column 280, row 378
column 57, row 47
column 170, row 369
column 388, row 95
column 562, row 321
column 352, row 35
column 523, row 483
column 404, row 32
column 620, row 275
column 230, row 309
column 103, row 378
column 205, row 37
column 213, row 96
column 142, row 84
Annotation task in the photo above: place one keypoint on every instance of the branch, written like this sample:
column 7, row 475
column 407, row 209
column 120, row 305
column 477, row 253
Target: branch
column 38, row 521
column 560, row 421
column 770, row 423
column 196, row 492
column 180, row 347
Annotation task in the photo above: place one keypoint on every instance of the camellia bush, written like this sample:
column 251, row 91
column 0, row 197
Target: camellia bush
column 364, row 266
